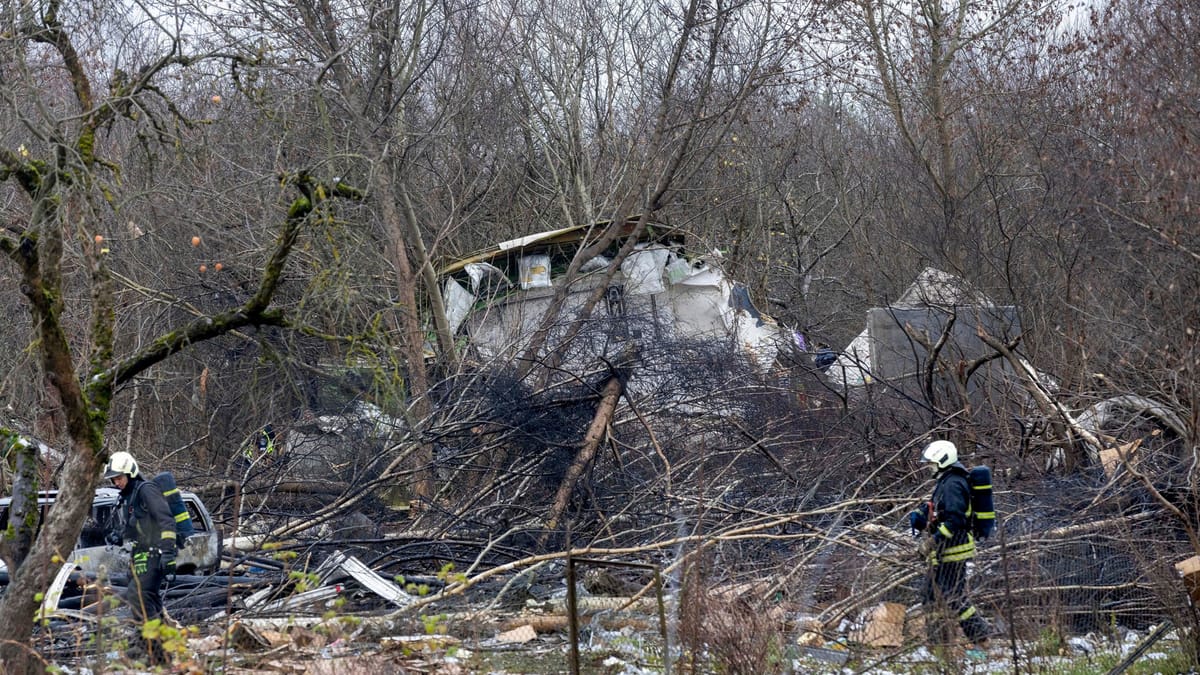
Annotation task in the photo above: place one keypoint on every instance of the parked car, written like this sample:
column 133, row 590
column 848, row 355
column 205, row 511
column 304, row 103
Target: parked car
column 200, row 554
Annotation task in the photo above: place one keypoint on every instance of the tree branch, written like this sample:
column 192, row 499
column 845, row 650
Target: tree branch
column 255, row 311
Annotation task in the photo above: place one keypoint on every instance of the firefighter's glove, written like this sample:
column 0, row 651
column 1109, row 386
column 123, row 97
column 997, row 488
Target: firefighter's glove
column 141, row 563
column 917, row 521
column 167, row 560
column 113, row 538
column 926, row 548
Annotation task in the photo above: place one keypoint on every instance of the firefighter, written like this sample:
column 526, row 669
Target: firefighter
column 945, row 521
column 263, row 448
column 149, row 525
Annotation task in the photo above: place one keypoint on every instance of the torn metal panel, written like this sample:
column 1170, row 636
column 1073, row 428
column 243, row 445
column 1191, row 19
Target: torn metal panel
column 303, row 599
column 329, row 567
column 371, row 581
column 486, row 279
column 853, row 365
column 656, row 294
column 458, row 303
column 251, row 601
column 258, row 596
column 901, row 338
column 339, row 565
column 884, row 350
column 644, row 270
column 54, row 593
column 574, row 236
column 522, row 242
column 935, row 288
column 1120, row 409
column 698, row 310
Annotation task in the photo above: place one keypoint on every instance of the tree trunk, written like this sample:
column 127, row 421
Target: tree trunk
column 23, row 510
column 591, row 441
column 437, row 305
column 412, row 336
column 57, row 536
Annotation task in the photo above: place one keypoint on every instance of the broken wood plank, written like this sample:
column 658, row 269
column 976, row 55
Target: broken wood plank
column 884, row 626
column 257, row 597
column 518, row 635
column 1111, row 458
column 557, row 623
column 246, row 638
column 1189, row 571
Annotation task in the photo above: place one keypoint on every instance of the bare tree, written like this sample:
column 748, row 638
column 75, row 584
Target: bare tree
column 626, row 105
column 64, row 197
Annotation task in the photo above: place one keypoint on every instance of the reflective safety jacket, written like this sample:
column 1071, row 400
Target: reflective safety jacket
column 148, row 520
column 951, row 524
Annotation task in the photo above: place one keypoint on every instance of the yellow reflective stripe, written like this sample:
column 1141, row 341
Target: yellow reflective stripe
column 933, row 560
column 986, row 515
column 945, row 531
column 961, row 548
column 967, row 613
column 180, row 517
column 172, row 491
column 960, row 552
column 168, row 534
column 982, row 487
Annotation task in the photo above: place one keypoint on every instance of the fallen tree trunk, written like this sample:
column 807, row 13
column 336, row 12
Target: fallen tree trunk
column 300, row 487
column 591, row 441
column 1053, row 410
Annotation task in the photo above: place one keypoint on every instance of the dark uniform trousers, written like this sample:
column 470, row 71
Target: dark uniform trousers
column 146, row 578
column 946, row 588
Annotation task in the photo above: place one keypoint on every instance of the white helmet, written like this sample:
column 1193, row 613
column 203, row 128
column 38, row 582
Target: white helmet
column 121, row 463
column 941, row 453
